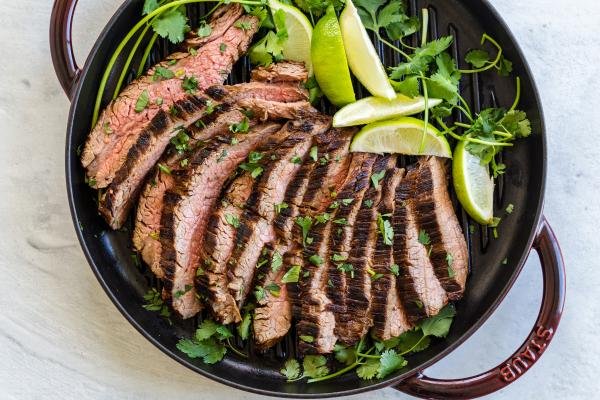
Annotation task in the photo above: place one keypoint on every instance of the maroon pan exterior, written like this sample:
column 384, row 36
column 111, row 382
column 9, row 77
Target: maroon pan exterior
column 489, row 281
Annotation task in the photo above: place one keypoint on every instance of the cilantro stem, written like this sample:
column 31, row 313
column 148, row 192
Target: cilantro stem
column 492, row 64
column 335, row 374
column 414, row 347
column 425, row 27
column 468, row 112
column 146, row 54
column 518, row 96
column 236, row 351
column 131, row 33
column 391, row 46
column 426, row 117
column 129, row 59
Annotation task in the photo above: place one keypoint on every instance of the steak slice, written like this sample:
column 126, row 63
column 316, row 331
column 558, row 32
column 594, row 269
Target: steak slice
column 219, row 242
column 150, row 205
column 273, row 312
column 436, row 216
column 389, row 317
column 187, row 207
column 120, row 124
column 355, row 322
column 256, row 228
column 120, row 194
column 221, row 20
column 317, row 322
column 346, row 208
column 286, row 72
column 421, row 293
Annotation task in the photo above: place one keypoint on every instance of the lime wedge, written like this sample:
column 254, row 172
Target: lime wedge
column 299, row 29
column 403, row 136
column 473, row 184
column 373, row 109
column 362, row 57
column 329, row 60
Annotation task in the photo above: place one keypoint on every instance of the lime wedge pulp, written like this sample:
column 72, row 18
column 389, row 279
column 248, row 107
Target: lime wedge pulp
column 363, row 59
column 473, row 185
column 329, row 60
column 373, row 109
column 402, row 136
column 299, row 29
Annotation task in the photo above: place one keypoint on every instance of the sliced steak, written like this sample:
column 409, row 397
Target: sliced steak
column 389, row 317
column 436, row 216
column 256, row 227
column 273, row 312
column 332, row 166
column 355, row 322
column 287, row 72
column 220, row 21
column 187, row 207
column 316, row 325
column 143, row 155
column 283, row 93
column 150, row 205
column 421, row 293
column 345, row 210
column 219, row 242
column 120, row 124
column 218, row 122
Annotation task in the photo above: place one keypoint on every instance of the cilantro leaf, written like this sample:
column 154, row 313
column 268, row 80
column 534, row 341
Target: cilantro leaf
column 369, row 369
column 306, row 224
column 410, row 86
column 389, row 363
column 142, row 101
column 204, row 29
column 344, row 354
column 276, row 261
column 206, row 330
column 149, row 6
column 444, row 83
column 292, row 275
column 243, row 328
column 439, row 325
column 316, row 260
column 315, row 366
column 477, row 58
column 386, row 230
column 376, row 178
column 291, row 369
column 171, row 25
column 232, row 220
column 424, row 238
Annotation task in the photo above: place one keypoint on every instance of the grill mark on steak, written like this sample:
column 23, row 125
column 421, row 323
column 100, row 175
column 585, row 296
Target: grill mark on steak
column 282, row 72
column 150, row 204
column 187, row 207
column 218, row 245
column 330, row 171
column 357, row 183
column 143, row 155
column 256, row 228
column 355, row 322
column 316, row 321
column 273, row 313
column 436, row 216
column 119, row 125
column 418, row 287
column 389, row 317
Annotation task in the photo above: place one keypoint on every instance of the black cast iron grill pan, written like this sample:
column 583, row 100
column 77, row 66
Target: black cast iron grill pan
column 125, row 281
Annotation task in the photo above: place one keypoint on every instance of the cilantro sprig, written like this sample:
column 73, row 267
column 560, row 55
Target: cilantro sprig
column 210, row 342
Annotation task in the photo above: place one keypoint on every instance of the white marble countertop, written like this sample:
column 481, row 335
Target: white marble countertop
column 61, row 338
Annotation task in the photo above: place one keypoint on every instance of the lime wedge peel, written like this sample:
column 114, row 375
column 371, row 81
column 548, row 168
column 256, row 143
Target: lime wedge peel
column 373, row 109
column 402, row 136
column 363, row 60
column 299, row 28
column 329, row 60
column 473, row 185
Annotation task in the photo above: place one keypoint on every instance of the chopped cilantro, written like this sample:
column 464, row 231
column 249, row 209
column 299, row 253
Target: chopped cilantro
column 142, row 101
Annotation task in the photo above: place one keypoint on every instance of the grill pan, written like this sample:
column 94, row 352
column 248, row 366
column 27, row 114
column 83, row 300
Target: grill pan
column 125, row 281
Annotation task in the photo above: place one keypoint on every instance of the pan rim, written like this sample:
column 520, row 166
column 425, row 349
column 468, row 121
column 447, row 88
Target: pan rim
column 387, row 382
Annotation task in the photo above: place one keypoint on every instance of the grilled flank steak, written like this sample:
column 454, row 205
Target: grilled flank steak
column 187, row 207
column 387, row 312
column 355, row 321
column 182, row 75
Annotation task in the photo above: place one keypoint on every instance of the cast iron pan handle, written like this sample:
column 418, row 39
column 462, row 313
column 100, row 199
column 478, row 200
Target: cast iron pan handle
column 546, row 245
column 61, row 46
